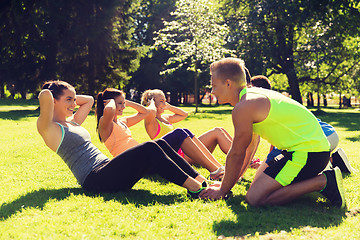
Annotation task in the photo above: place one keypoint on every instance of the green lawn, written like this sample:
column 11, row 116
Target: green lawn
column 40, row 198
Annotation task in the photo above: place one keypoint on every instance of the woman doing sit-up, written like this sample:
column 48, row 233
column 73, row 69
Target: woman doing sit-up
column 113, row 129
column 94, row 171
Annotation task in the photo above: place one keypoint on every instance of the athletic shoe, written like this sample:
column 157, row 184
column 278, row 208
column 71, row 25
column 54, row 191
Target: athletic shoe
column 218, row 174
column 204, row 185
column 334, row 190
column 196, row 194
column 340, row 160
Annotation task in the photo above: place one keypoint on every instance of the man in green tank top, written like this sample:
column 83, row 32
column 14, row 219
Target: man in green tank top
column 284, row 123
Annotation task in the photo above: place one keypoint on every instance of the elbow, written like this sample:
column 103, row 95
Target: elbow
column 91, row 100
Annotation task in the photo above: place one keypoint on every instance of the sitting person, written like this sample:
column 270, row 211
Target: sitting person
column 60, row 128
column 114, row 130
column 157, row 124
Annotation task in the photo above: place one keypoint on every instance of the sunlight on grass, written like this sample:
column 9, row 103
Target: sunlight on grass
column 40, row 198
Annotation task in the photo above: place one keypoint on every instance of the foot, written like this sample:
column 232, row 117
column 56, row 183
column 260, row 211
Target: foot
column 218, row 174
column 334, row 190
column 340, row 160
column 195, row 195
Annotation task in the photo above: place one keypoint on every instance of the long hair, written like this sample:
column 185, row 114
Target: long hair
column 109, row 93
column 57, row 87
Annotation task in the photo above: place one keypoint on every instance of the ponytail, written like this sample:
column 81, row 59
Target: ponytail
column 109, row 93
column 99, row 111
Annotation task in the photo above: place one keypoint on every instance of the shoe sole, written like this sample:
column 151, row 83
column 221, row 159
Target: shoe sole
column 339, row 183
column 344, row 159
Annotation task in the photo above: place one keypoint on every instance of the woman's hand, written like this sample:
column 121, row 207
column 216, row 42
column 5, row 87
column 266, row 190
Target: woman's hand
column 106, row 102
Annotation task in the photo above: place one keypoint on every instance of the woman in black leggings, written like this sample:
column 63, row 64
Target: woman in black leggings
column 62, row 133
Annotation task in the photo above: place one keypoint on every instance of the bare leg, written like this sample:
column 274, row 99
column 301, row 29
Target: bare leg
column 195, row 152
column 260, row 170
column 216, row 136
column 266, row 191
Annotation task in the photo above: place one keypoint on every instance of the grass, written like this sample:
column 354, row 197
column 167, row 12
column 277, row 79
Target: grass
column 40, row 199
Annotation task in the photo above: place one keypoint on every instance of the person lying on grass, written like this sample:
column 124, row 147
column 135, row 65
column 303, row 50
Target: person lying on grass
column 114, row 130
column 60, row 128
column 157, row 124
column 285, row 124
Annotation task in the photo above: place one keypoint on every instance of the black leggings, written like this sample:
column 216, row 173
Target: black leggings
column 126, row 169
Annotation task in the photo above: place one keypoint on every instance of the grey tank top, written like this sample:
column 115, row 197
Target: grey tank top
column 78, row 152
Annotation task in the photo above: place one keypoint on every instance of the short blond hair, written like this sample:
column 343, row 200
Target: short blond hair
column 229, row 68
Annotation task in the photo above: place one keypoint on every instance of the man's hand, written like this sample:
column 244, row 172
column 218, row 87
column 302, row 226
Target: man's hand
column 212, row 193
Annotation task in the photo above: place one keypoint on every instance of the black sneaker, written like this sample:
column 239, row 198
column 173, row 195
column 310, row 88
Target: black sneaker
column 340, row 160
column 334, row 190
column 195, row 195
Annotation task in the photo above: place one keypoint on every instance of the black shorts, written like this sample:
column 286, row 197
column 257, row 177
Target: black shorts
column 291, row 167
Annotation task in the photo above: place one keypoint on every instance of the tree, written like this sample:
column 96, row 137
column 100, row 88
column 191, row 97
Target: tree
column 195, row 36
column 87, row 43
column 269, row 33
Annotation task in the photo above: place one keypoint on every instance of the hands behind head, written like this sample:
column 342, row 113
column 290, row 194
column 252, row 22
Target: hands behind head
column 106, row 102
column 151, row 101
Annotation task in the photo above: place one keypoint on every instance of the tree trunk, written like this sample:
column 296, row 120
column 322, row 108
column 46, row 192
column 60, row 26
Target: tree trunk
column 2, row 90
column 340, row 99
column 196, row 93
column 294, row 85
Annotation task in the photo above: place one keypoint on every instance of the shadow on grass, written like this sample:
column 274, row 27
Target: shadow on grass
column 348, row 120
column 305, row 212
column 19, row 114
column 38, row 199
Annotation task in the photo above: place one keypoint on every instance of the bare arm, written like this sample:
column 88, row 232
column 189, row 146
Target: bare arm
column 241, row 149
column 178, row 115
column 105, row 122
column 47, row 128
column 134, row 119
column 85, row 102
column 151, row 124
column 238, row 157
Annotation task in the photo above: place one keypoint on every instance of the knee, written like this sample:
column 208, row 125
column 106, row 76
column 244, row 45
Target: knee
column 253, row 200
column 189, row 133
column 219, row 130
column 150, row 145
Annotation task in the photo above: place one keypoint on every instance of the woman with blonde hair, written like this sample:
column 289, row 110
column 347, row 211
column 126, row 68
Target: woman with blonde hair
column 157, row 124
column 113, row 128
column 60, row 128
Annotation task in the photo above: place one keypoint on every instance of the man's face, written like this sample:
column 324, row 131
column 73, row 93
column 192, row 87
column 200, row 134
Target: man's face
column 219, row 89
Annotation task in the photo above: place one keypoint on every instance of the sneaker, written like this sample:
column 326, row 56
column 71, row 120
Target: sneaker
column 195, row 195
column 340, row 160
column 218, row 174
column 334, row 190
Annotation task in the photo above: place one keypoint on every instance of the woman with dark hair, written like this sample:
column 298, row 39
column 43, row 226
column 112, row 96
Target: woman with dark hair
column 60, row 128
column 113, row 128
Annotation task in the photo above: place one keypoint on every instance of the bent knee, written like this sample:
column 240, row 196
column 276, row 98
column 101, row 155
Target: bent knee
column 219, row 129
column 254, row 200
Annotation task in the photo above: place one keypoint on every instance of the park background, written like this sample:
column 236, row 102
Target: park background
column 308, row 49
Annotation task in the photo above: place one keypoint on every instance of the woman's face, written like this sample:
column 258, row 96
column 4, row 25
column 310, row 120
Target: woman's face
column 120, row 104
column 66, row 104
column 160, row 102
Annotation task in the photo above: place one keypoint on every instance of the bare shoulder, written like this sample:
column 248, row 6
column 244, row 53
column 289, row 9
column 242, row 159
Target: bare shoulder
column 253, row 106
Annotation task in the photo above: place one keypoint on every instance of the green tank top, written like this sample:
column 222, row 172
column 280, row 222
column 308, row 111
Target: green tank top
column 289, row 125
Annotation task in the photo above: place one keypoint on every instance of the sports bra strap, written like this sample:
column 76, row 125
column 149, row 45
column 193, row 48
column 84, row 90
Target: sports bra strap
column 62, row 135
